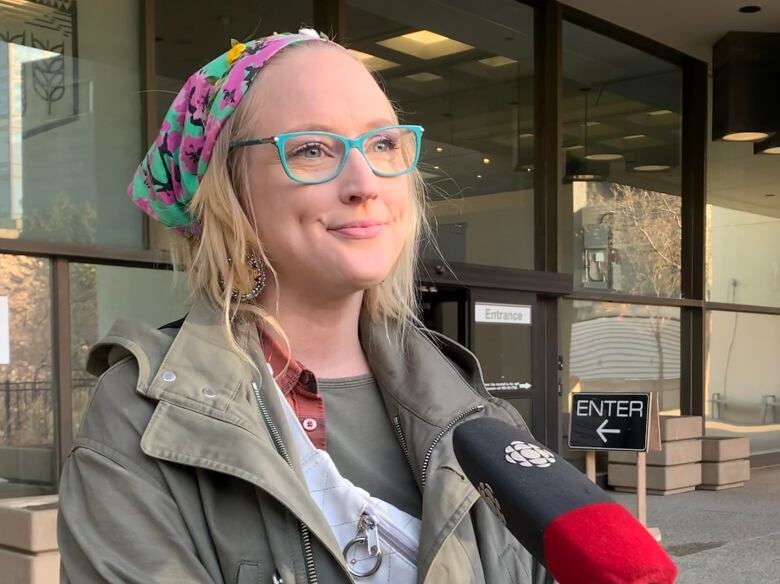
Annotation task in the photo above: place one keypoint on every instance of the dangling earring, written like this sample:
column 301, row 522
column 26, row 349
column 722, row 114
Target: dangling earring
column 258, row 280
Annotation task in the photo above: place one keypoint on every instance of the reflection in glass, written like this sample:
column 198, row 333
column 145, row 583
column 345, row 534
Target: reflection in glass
column 102, row 294
column 28, row 462
column 627, row 238
column 620, row 198
column 743, row 225
column 466, row 75
column 70, row 121
column 742, row 369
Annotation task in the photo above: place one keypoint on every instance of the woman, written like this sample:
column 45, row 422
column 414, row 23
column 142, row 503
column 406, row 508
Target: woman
column 283, row 165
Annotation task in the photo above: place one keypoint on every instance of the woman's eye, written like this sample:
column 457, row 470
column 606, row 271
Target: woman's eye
column 384, row 145
column 312, row 150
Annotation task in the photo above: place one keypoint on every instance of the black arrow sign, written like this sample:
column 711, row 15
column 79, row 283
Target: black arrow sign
column 609, row 421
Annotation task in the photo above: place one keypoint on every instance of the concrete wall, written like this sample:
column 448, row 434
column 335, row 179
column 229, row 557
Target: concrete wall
column 744, row 254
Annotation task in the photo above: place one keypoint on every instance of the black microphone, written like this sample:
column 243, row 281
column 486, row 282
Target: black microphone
column 563, row 519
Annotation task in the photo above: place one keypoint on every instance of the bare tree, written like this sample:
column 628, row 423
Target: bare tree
column 646, row 230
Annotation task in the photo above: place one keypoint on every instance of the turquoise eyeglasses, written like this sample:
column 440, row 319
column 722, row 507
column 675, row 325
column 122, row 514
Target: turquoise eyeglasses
column 313, row 157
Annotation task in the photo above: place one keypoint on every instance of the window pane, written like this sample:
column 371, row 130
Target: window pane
column 743, row 224
column 464, row 72
column 70, row 121
column 620, row 348
column 741, row 382
column 28, row 461
column 620, row 198
column 102, row 294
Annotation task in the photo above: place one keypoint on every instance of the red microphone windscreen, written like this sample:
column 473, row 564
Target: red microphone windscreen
column 580, row 546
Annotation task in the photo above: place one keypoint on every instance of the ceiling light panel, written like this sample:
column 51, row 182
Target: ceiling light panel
column 497, row 61
column 372, row 62
column 425, row 44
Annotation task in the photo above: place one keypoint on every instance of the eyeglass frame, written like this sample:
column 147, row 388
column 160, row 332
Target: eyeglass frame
column 279, row 141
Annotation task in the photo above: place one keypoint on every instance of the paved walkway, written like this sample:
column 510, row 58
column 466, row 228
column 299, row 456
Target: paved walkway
column 721, row 537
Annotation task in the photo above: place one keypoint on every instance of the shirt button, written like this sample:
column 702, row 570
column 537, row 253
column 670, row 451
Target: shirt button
column 310, row 424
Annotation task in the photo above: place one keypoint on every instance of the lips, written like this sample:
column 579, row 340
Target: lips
column 364, row 229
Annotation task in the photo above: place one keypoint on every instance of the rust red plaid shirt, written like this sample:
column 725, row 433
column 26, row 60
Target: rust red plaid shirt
column 299, row 386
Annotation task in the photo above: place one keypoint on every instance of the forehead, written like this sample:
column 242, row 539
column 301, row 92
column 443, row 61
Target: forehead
column 323, row 87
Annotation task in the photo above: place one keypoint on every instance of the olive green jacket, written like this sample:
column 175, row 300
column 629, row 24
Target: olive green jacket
column 180, row 471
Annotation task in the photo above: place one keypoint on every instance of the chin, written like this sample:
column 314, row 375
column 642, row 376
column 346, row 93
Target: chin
column 365, row 277
column 367, row 281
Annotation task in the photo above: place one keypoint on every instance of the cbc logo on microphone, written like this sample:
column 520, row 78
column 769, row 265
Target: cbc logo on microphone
column 528, row 455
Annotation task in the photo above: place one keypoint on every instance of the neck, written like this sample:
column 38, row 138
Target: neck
column 323, row 333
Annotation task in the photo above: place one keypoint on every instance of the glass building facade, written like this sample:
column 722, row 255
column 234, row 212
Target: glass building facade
column 569, row 167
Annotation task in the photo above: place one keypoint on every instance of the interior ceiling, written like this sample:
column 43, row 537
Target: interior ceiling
column 736, row 178
column 690, row 26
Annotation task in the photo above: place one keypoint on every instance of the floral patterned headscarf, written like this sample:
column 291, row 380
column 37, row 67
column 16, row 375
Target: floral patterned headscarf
column 170, row 173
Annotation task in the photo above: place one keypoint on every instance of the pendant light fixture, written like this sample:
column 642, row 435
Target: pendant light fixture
column 770, row 146
column 654, row 159
column 745, row 84
column 579, row 170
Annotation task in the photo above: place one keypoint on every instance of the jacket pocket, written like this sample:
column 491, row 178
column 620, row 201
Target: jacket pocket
column 248, row 573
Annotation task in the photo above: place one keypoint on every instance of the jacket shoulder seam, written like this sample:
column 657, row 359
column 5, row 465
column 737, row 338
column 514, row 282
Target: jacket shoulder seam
column 118, row 458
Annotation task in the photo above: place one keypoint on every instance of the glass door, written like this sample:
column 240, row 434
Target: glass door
column 498, row 326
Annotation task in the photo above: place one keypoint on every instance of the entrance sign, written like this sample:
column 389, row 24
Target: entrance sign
column 502, row 313
column 610, row 421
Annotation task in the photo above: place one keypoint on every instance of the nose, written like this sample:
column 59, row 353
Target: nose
column 359, row 183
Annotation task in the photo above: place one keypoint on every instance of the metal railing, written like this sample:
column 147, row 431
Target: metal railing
column 27, row 410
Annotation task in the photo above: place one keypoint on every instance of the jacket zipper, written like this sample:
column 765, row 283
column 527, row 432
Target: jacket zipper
column 399, row 432
column 303, row 529
column 440, row 435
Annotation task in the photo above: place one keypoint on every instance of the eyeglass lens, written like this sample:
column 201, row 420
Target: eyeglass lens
column 317, row 156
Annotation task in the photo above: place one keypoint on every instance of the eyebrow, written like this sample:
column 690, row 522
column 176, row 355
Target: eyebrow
column 318, row 127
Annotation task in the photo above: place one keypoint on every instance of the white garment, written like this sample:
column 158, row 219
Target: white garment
column 344, row 505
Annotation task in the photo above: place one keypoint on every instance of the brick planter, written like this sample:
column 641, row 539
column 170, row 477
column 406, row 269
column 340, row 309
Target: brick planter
column 726, row 463
column 676, row 468
column 678, row 452
column 28, row 540
column 661, row 480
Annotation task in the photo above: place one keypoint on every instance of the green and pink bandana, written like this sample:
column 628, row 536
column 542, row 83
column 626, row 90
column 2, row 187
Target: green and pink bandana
column 170, row 173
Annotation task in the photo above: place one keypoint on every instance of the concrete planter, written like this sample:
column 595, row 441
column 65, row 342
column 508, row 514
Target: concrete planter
column 680, row 428
column 29, row 526
column 677, row 452
column 728, row 474
column 661, row 480
column 21, row 568
column 717, row 449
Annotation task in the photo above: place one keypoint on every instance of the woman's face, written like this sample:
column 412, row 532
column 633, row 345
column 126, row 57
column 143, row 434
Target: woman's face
column 344, row 235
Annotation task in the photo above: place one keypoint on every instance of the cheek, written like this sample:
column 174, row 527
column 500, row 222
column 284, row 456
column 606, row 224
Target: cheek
column 400, row 203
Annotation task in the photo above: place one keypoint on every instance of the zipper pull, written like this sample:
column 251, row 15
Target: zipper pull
column 368, row 535
column 372, row 536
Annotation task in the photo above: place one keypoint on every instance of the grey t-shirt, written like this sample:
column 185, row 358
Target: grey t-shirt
column 361, row 441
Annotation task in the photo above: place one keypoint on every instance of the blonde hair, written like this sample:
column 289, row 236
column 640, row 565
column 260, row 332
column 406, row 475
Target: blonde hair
column 214, row 261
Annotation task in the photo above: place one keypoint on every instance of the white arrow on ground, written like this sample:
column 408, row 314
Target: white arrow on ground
column 601, row 430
